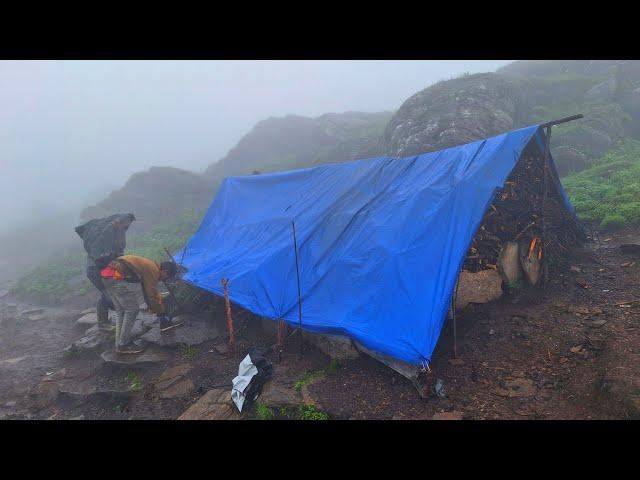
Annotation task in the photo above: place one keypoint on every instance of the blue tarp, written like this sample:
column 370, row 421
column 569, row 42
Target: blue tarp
column 380, row 241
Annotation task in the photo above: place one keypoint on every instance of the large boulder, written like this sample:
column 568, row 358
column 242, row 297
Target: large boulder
column 453, row 112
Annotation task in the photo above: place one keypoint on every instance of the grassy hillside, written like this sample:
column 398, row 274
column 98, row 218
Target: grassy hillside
column 608, row 193
column 63, row 276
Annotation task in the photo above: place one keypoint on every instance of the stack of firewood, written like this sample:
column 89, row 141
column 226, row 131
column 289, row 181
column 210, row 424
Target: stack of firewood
column 516, row 215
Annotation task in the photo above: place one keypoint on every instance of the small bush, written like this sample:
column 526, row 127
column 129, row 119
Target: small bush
column 189, row 352
column 134, row 381
column 263, row 412
column 608, row 193
column 309, row 412
column 612, row 222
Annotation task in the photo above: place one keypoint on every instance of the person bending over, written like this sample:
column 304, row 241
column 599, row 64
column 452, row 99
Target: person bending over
column 120, row 278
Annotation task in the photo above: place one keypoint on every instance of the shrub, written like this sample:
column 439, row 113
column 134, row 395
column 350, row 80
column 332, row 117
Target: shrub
column 608, row 193
column 612, row 222
column 263, row 412
column 309, row 412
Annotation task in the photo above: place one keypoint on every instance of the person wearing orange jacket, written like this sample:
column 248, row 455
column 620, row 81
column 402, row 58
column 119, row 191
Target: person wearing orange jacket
column 119, row 279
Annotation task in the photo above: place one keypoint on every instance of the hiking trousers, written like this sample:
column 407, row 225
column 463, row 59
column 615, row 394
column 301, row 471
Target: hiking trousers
column 104, row 302
column 124, row 299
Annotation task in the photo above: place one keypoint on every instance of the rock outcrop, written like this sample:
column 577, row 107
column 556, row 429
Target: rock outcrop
column 453, row 112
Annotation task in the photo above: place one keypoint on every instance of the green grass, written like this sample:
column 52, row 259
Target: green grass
column 310, row 412
column 50, row 281
column 608, row 193
column 311, row 377
column 188, row 352
column 263, row 412
column 63, row 276
column 134, row 381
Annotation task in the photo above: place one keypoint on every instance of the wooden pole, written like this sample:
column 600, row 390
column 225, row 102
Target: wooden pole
column 562, row 120
column 295, row 248
column 184, row 250
column 453, row 313
column 227, row 304
column 545, row 195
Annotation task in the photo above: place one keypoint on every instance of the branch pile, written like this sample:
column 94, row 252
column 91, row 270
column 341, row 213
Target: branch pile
column 516, row 215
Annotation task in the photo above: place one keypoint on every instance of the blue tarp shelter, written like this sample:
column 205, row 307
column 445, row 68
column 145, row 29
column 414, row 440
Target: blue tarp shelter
column 381, row 241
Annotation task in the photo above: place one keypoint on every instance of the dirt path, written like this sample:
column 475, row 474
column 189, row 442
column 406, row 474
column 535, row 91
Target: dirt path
column 570, row 352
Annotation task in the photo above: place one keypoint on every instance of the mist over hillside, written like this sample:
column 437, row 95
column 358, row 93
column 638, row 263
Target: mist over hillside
column 450, row 112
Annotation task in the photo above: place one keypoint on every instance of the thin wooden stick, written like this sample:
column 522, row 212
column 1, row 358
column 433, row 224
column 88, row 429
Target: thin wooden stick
column 295, row 247
column 227, row 304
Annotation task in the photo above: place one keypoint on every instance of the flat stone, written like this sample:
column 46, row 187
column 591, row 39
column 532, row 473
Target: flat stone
column 278, row 395
column 335, row 346
column 518, row 387
column 454, row 415
column 35, row 317
column 178, row 389
column 10, row 403
column 214, row 405
column 92, row 340
column 83, row 390
column 90, row 318
column 4, row 293
column 597, row 323
column 127, row 360
column 30, row 311
column 308, row 398
column 154, row 335
column 44, row 394
column 222, row 348
column 480, row 287
column 195, row 329
column 456, row 362
column 79, row 417
column 87, row 311
column 172, row 375
column 56, row 376
column 13, row 361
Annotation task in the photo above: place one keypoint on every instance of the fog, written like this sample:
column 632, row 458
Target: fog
column 72, row 131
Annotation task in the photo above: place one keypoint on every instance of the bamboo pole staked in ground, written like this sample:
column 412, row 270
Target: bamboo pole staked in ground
column 545, row 195
column 281, row 329
column 227, row 304
column 295, row 248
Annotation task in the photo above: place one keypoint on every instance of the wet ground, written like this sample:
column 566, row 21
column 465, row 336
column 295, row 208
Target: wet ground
column 568, row 351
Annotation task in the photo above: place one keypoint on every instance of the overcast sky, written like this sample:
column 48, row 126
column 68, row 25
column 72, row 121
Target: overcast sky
column 71, row 131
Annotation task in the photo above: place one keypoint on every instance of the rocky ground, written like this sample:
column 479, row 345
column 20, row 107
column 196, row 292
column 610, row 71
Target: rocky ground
column 568, row 352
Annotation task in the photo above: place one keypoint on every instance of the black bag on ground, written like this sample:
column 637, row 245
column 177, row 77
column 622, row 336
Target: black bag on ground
column 253, row 372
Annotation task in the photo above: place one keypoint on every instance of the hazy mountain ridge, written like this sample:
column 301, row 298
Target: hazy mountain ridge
column 448, row 113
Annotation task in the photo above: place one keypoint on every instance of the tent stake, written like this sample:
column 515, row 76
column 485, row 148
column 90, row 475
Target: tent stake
column 295, row 248
column 453, row 312
column 545, row 194
column 227, row 304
